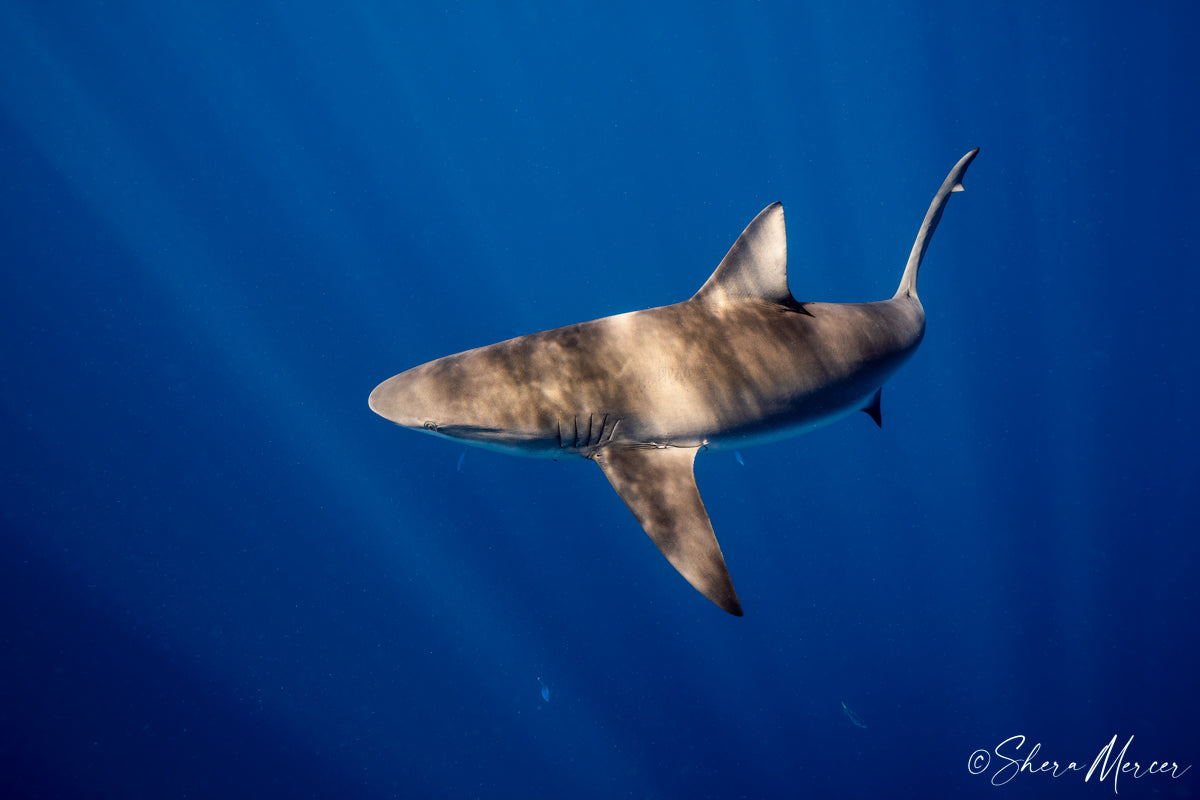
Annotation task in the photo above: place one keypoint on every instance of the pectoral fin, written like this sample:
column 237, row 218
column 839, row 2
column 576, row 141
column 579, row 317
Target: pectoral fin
column 659, row 486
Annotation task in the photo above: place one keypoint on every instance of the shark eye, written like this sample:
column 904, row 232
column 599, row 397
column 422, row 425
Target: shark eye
column 431, row 426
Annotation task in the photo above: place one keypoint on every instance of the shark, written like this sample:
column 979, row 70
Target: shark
column 740, row 363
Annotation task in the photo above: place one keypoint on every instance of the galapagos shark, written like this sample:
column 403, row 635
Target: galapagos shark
column 741, row 362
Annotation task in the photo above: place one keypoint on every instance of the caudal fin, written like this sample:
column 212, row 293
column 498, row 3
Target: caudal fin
column 952, row 184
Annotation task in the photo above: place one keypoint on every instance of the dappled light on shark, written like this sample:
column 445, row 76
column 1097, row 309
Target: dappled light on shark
column 740, row 363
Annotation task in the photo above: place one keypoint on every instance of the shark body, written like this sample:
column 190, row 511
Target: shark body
column 741, row 362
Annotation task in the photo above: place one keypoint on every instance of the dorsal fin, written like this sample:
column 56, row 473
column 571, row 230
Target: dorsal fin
column 755, row 268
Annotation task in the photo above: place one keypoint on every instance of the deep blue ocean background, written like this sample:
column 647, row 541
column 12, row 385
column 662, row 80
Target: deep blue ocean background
column 223, row 223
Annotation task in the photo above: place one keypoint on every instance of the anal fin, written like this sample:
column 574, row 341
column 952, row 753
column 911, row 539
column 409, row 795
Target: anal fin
column 659, row 486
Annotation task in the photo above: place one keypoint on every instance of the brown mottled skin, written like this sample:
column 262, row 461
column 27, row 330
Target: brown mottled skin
column 683, row 375
column 740, row 363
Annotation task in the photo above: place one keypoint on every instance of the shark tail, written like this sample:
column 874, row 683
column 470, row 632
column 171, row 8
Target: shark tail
column 952, row 184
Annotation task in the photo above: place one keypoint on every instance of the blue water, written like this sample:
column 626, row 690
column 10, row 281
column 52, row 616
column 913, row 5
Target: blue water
column 223, row 223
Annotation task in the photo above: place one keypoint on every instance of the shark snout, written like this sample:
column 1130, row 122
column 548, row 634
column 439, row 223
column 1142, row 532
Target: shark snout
column 398, row 399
